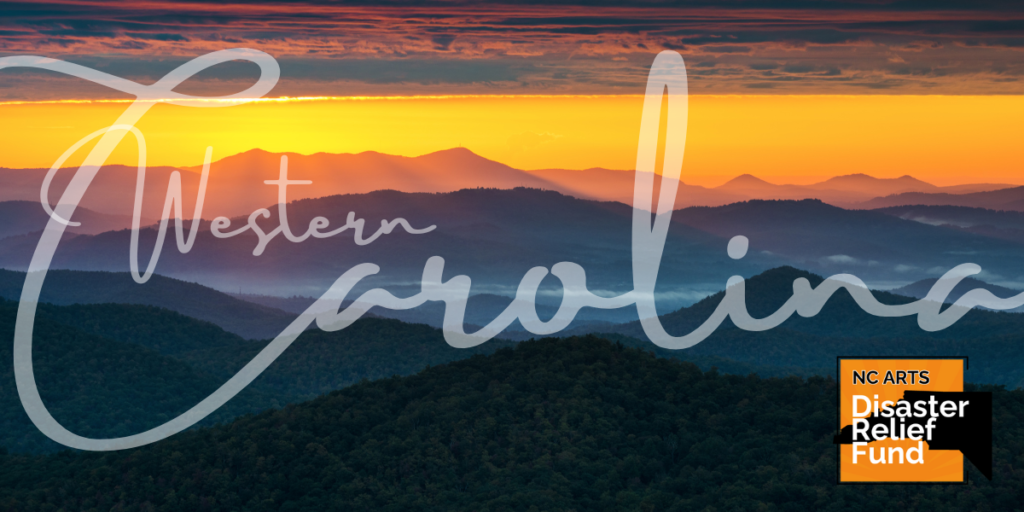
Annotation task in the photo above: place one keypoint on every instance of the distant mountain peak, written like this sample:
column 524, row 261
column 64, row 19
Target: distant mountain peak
column 861, row 177
column 909, row 178
column 454, row 151
column 856, row 177
column 746, row 180
column 786, row 273
column 460, row 154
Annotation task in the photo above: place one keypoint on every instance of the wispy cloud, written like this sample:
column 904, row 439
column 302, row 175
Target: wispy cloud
column 600, row 47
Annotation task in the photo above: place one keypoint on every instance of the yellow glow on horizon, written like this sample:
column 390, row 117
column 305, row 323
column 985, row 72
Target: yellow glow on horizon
column 784, row 139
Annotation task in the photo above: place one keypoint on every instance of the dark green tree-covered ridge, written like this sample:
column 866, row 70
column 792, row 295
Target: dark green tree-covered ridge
column 803, row 346
column 111, row 370
column 571, row 424
column 115, row 369
column 992, row 340
column 98, row 387
column 316, row 363
column 993, row 360
column 374, row 348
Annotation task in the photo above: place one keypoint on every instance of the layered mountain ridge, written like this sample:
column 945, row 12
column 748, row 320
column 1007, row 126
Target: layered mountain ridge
column 237, row 183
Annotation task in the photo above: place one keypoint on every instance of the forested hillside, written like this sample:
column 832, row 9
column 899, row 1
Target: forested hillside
column 115, row 369
column 100, row 387
column 67, row 287
column 990, row 339
column 577, row 424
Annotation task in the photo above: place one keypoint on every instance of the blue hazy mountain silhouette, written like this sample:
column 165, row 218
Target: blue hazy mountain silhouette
column 495, row 236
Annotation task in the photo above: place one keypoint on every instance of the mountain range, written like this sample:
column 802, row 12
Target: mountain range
column 874, row 245
column 841, row 328
column 89, row 354
column 1009, row 199
column 920, row 289
column 1003, row 224
column 236, row 185
column 66, row 287
column 849, row 191
column 577, row 424
column 495, row 236
column 24, row 217
column 117, row 369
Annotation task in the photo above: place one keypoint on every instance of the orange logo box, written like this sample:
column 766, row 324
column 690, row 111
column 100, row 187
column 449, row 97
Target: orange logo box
column 869, row 385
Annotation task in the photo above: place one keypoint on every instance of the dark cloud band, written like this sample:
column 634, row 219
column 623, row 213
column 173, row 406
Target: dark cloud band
column 578, row 47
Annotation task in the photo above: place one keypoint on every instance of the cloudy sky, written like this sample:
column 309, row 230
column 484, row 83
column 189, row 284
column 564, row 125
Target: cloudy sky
column 342, row 49
column 793, row 92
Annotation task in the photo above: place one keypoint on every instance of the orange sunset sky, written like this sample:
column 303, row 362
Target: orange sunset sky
column 945, row 140
column 789, row 92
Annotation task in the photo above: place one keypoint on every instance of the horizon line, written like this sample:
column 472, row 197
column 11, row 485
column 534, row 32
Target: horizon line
column 727, row 178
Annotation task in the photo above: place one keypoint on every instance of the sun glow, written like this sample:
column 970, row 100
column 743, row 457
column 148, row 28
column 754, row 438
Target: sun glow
column 784, row 139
